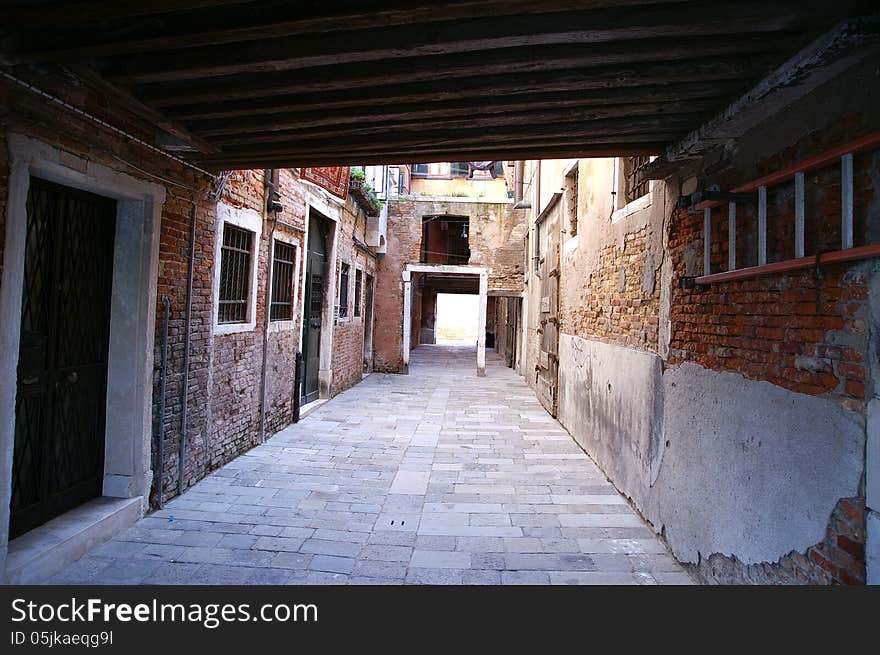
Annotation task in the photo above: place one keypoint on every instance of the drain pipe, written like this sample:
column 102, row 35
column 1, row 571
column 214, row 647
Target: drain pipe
column 163, row 376
column 273, row 206
column 181, row 451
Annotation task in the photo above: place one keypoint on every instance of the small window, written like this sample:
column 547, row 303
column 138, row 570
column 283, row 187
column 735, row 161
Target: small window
column 636, row 187
column 498, row 169
column 419, row 169
column 281, row 307
column 358, row 283
column 343, row 290
column 460, row 169
column 571, row 201
column 235, row 274
column 538, row 253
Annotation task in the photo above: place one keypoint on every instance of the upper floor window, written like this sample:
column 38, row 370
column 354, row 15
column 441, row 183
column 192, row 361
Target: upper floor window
column 236, row 253
column 343, row 289
column 358, row 283
column 635, row 187
column 419, row 169
column 571, row 200
column 283, row 265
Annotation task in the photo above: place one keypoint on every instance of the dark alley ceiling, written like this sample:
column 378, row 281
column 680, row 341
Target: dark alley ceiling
column 254, row 84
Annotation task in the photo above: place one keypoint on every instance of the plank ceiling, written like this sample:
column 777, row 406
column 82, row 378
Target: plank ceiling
column 254, row 84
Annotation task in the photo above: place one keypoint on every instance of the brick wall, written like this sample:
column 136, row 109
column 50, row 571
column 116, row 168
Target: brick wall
column 610, row 303
column 496, row 235
column 348, row 332
column 225, row 370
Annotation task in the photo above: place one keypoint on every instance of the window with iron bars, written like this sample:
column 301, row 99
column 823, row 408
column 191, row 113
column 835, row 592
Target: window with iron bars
column 281, row 307
column 358, row 283
column 235, row 274
column 343, row 290
column 632, row 169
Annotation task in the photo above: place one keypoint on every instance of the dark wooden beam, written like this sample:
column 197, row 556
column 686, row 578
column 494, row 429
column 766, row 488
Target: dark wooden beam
column 692, row 110
column 569, row 150
column 529, row 60
column 477, row 35
column 571, row 80
column 475, row 138
column 250, row 116
column 139, row 109
column 253, row 21
column 65, row 12
column 381, row 124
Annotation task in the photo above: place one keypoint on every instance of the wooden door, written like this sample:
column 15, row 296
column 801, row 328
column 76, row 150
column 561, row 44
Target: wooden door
column 58, row 455
column 313, row 302
column 548, row 323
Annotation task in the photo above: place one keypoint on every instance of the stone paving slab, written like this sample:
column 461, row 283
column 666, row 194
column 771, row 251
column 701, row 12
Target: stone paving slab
column 436, row 477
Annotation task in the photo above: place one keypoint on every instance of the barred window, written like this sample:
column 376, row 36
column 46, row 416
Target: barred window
column 358, row 283
column 235, row 274
column 343, row 290
column 632, row 169
column 281, row 307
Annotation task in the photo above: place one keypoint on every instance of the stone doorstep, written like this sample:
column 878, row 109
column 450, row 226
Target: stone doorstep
column 308, row 408
column 44, row 551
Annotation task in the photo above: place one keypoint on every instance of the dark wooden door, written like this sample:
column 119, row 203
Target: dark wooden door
column 548, row 323
column 58, row 459
column 368, row 323
column 316, row 265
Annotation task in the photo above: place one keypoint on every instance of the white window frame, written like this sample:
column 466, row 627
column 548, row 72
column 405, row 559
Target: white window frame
column 283, row 326
column 252, row 221
column 636, row 205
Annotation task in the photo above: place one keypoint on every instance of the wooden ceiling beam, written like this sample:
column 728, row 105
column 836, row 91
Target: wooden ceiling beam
column 189, row 29
column 465, row 117
column 566, row 150
column 255, row 115
column 438, row 139
column 529, row 60
column 386, row 44
column 570, row 80
column 692, row 109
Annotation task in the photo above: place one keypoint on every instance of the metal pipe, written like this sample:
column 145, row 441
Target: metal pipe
column 163, row 376
column 271, row 185
column 518, row 173
column 181, row 450
column 297, row 383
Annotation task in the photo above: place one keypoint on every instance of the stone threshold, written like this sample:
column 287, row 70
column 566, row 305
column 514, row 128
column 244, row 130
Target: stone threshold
column 308, row 408
column 39, row 554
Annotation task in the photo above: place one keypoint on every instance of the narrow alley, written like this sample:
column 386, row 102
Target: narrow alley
column 438, row 477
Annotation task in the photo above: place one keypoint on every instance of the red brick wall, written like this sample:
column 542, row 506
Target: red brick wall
column 804, row 330
column 348, row 332
column 610, row 305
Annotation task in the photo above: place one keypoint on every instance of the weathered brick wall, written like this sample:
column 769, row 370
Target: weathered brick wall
column 348, row 332
column 403, row 241
column 496, row 238
column 224, row 378
column 610, row 303
column 808, row 330
column 837, row 559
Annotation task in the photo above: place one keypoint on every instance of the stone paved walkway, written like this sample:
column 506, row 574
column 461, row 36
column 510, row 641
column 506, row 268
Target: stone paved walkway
column 432, row 478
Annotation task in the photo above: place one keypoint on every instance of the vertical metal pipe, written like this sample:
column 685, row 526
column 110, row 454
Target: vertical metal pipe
column 271, row 178
column 181, row 450
column 846, row 202
column 297, row 383
column 707, row 241
column 799, row 214
column 731, row 236
column 762, row 225
column 518, row 174
column 159, row 468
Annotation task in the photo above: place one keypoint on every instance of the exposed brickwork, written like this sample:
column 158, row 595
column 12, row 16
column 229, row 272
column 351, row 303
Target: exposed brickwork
column 610, row 304
column 837, row 559
column 348, row 332
column 496, row 236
